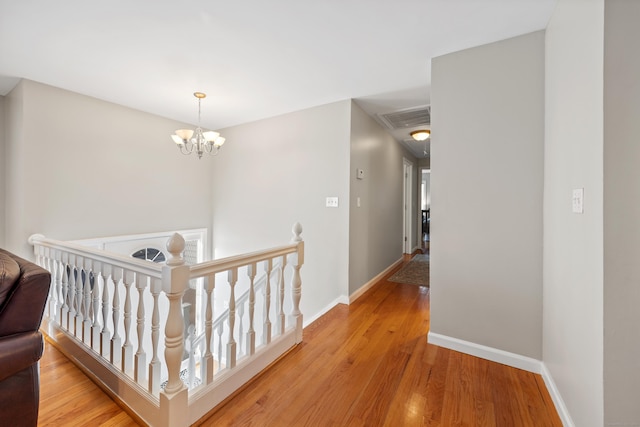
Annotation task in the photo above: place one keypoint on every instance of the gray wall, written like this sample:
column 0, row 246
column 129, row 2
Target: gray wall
column 375, row 228
column 3, row 168
column 573, row 266
column 79, row 167
column 486, row 191
column 277, row 171
column 621, row 213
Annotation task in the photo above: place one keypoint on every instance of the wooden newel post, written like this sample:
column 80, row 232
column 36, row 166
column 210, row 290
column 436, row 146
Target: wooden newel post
column 175, row 279
column 296, row 260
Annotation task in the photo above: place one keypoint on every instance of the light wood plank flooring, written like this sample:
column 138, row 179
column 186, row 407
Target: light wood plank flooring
column 367, row 364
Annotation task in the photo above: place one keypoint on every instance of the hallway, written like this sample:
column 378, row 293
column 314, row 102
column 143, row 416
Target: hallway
column 368, row 364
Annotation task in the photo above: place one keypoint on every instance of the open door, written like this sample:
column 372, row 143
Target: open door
column 425, row 206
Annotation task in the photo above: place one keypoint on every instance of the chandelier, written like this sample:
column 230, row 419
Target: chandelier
column 198, row 140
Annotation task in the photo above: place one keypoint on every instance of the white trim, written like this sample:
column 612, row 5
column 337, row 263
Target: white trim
column 484, row 352
column 364, row 288
column 407, row 204
column 558, row 402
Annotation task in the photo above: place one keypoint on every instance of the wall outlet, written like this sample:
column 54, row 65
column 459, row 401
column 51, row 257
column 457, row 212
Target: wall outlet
column 332, row 202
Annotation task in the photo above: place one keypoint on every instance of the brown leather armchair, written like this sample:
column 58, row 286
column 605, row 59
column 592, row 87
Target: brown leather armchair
column 24, row 287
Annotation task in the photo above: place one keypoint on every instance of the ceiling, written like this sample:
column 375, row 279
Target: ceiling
column 255, row 59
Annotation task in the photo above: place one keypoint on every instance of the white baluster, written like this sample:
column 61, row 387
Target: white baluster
column 155, row 366
column 280, row 317
column 231, row 344
column 297, row 260
column 220, row 331
column 64, row 309
column 72, row 295
column 58, row 287
column 192, row 356
column 139, row 370
column 37, row 251
column 127, row 348
column 207, row 365
column 80, row 279
column 52, row 300
column 48, row 265
column 105, row 335
column 116, row 341
column 251, row 333
column 95, row 324
column 266, row 333
column 240, row 311
column 86, row 325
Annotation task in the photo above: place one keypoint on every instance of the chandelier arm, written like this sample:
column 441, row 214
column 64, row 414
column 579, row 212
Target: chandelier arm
column 187, row 148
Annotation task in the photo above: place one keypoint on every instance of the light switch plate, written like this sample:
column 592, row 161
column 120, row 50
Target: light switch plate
column 577, row 200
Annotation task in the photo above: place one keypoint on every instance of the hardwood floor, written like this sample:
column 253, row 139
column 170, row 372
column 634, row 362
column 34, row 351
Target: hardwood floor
column 367, row 364
column 70, row 398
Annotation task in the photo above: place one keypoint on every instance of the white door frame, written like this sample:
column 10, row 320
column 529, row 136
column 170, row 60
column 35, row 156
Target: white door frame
column 407, row 206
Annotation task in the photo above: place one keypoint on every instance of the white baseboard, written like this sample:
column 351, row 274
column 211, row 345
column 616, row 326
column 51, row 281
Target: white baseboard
column 364, row 288
column 509, row 359
column 484, row 352
column 558, row 402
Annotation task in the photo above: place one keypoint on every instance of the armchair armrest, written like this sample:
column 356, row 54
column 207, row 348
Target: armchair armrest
column 18, row 352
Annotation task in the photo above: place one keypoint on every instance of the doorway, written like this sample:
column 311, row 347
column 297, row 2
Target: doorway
column 425, row 206
column 407, row 243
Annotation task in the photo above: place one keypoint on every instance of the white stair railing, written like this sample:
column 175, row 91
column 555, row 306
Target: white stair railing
column 207, row 357
column 106, row 311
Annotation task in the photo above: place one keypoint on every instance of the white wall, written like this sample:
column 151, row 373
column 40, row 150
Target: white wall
column 277, row 171
column 80, row 167
column 486, row 190
column 621, row 213
column 375, row 228
column 573, row 243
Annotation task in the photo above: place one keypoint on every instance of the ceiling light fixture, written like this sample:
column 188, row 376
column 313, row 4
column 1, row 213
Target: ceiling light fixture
column 420, row 135
column 198, row 140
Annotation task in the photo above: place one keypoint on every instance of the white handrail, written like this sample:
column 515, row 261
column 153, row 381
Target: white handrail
column 117, row 260
column 220, row 265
